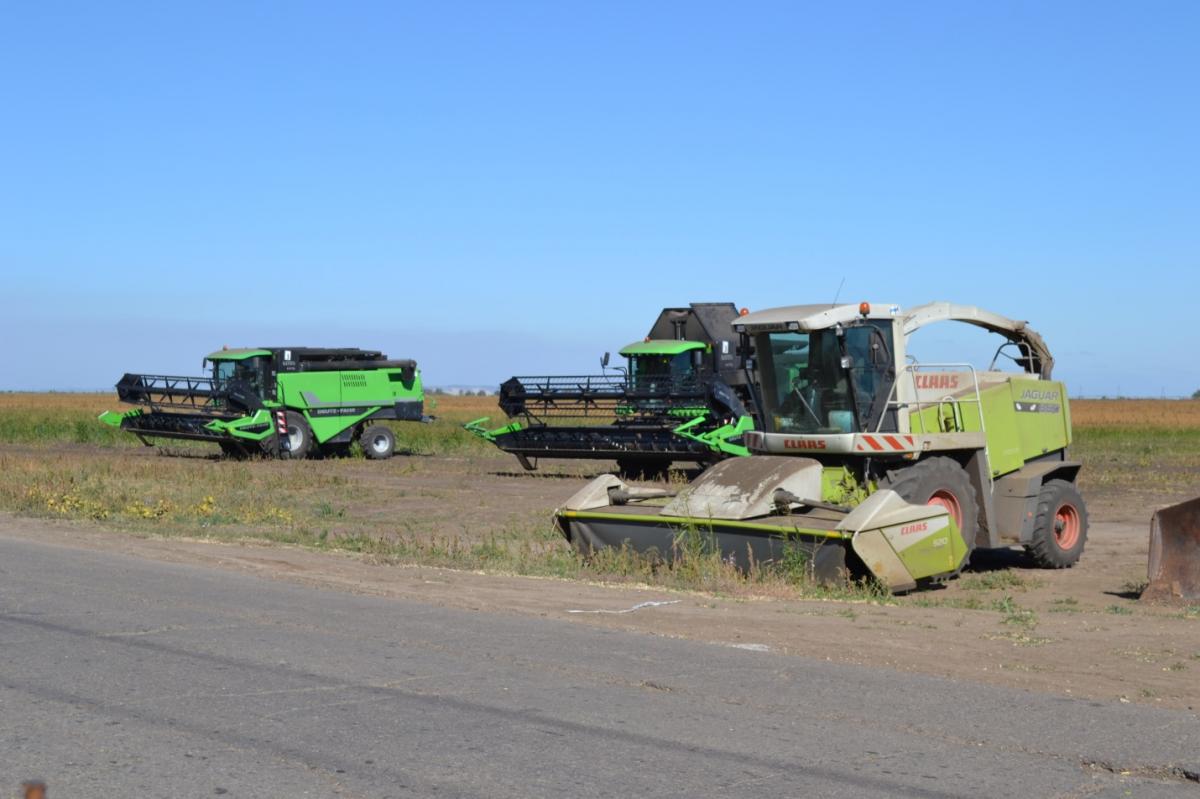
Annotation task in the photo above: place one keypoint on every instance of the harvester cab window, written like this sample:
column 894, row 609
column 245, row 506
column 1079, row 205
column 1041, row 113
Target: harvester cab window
column 247, row 370
column 653, row 368
column 818, row 382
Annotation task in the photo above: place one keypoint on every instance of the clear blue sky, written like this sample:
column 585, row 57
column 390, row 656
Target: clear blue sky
column 498, row 188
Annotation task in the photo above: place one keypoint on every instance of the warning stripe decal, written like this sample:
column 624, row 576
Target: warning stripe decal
column 895, row 443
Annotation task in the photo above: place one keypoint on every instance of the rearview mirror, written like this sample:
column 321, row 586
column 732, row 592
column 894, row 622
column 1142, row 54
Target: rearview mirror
column 604, row 361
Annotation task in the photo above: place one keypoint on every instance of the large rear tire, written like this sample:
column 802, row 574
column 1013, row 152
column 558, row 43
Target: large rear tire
column 940, row 481
column 1060, row 527
column 378, row 442
column 300, row 437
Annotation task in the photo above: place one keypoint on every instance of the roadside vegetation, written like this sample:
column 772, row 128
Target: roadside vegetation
column 59, row 461
column 1149, row 447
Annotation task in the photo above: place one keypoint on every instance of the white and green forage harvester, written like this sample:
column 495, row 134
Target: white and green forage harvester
column 867, row 461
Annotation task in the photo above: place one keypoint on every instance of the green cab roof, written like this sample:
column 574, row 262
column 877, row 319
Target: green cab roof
column 236, row 354
column 661, row 347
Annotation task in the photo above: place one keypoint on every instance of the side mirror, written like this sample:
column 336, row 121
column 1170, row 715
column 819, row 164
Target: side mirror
column 604, row 361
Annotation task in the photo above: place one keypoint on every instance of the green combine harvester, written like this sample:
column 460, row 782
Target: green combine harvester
column 866, row 461
column 290, row 402
column 682, row 396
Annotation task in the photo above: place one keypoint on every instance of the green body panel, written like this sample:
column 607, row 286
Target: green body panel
column 839, row 486
column 661, row 347
column 938, row 554
column 240, row 427
column 113, row 418
column 720, row 439
column 326, row 427
column 479, row 428
column 334, row 401
column 236, row 354
column 1023, row 418
column 378, row 387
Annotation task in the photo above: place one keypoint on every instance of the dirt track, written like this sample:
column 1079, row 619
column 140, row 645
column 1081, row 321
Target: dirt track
column 1077, row 631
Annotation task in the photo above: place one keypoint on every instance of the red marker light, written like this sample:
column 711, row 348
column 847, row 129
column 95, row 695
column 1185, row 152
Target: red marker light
column 744, row 312
column 864, row 308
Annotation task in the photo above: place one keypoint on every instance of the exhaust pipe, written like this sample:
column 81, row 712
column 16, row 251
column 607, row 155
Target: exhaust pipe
column 1174, row 564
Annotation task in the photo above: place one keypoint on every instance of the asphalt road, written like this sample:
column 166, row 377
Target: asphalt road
column 135, row 678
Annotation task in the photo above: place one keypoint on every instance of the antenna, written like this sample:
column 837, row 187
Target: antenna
column 839, row 292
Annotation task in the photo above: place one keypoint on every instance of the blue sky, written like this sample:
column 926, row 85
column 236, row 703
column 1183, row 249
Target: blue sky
column 498, row 188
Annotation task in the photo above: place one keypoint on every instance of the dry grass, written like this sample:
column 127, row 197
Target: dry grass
column 54, row 418
column 59, row 461
column 381, row 509
column 1135, row 414
column 1148, row 446
column 92, row 403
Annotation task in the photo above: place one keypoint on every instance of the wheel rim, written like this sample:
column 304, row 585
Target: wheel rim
column 295, row 438
column 1067, row 526
column 379, row 443
column 944, row 499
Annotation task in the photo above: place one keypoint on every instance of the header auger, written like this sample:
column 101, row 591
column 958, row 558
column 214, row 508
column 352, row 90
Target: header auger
column 290, row 402
column 867, row 461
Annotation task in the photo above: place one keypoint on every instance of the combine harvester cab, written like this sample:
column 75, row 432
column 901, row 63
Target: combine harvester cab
column 868, row 461
column 682, row 396
column 287, row 401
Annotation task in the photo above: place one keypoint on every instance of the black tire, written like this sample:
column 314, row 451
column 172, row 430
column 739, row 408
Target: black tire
column 643, row 468
column 378, row 442
column 300, row 437
column 940, row 481
column 1060, row 526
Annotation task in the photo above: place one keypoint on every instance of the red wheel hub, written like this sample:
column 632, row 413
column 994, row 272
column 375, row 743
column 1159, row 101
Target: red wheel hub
column 945, row 499
column 1067, row 526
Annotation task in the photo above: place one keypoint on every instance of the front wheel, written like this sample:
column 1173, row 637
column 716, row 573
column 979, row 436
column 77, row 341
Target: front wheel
column 1060, row 528
column 378, row 442
column 299, row 437
column 940, row 482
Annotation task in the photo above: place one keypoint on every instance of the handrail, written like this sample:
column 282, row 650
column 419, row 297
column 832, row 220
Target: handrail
column 911, row 370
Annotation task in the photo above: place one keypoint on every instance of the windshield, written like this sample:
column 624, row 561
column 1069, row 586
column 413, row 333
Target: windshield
column 807, row 390
column 652, row 369
column 248, row 370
